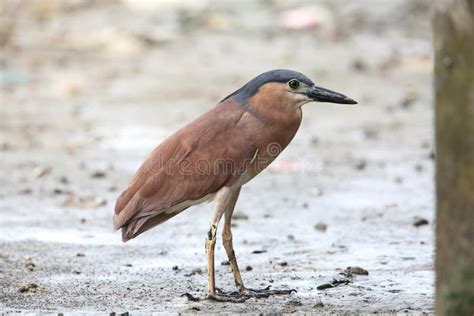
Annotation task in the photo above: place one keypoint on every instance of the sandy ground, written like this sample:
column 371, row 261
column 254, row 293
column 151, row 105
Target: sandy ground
column 87, row 90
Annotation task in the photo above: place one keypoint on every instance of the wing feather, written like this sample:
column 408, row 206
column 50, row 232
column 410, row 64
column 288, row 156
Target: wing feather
column 187, row 166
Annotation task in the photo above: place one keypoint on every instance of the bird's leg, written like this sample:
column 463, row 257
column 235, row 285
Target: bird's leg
column 225, row 199
column 229, row 248
column 210, row 245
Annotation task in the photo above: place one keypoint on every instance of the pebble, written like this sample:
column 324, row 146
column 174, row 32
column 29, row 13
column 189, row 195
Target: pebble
column 361, row 165
column 98, row 174
column 356, row 270
column 419, row 221
column 41, row 171
column 29, row 288
column 29, row 265
column 321, row 227
column 324, row 286
column 359, row 65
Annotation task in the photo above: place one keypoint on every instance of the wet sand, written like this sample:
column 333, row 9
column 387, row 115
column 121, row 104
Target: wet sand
column 79, row 112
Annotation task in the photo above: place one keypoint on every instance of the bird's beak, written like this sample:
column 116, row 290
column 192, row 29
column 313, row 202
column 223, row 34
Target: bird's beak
column 319, row 94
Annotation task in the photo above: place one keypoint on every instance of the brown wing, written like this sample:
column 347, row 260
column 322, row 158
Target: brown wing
column 193, row 163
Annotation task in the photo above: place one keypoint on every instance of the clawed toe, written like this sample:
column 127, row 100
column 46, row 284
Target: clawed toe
column 192, row 298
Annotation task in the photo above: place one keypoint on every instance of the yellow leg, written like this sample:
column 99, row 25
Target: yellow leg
column 225, row 200
column 229, row 248
column 225, row 203
column 210, row 245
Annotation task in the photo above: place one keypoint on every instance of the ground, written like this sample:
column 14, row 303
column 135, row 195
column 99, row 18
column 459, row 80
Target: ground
column 89, row 88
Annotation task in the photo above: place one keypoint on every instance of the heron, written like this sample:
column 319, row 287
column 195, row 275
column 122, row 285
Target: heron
column 211, row 158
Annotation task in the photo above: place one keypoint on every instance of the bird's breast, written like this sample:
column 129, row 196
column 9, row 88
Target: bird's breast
column 272, row 139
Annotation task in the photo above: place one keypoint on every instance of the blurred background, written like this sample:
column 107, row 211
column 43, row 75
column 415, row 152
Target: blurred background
column 89, row 88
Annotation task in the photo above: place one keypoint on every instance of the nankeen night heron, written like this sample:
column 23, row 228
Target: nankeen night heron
column 213, row 156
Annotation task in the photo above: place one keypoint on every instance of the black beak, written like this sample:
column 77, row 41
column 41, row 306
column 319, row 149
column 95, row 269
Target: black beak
column 325, row 95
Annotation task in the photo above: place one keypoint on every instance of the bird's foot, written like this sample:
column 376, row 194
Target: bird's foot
column 231, row 297
column 266, row 292
column 238, row 297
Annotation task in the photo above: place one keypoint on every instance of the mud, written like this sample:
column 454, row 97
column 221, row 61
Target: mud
column 89, row 88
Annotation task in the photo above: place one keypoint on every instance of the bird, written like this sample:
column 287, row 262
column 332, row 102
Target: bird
column 211, row 158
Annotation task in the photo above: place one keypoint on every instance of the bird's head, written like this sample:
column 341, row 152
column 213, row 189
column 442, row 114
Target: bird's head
column 288, row 88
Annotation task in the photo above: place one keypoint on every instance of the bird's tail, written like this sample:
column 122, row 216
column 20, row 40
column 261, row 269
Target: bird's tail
column 140, row 225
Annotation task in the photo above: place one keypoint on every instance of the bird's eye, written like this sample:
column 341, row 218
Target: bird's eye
column 294, row 84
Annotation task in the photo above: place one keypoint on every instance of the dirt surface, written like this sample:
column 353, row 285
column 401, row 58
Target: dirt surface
column 89, row 88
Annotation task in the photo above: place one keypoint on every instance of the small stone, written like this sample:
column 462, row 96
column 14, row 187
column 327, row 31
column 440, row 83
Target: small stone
column 126, row 264
column 225, row 263
column 324, row 286
column 80, row 254
column 175, row 268
column 98, row 174
column 357, row 270
column 29, row 288
column 359, row 65
column 361, row 165
column 283, row 263
column 58, row 191
column 419, row 221
column 321, row 227
column 394, row 291
column 29, row 265
column 248, row 268
column 41, row 171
